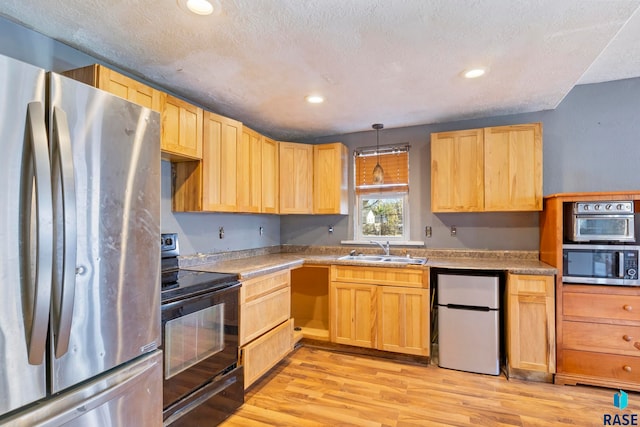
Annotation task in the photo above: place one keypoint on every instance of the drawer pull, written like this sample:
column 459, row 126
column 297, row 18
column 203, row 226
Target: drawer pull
column 627, row 338
column 627, row 368
column 637, row 345
column 627, row 307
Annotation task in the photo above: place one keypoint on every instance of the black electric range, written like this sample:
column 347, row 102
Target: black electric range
column 178, row 283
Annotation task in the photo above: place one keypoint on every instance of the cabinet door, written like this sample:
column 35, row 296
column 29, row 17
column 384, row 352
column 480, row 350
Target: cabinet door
column 221, row 139
column 352, row 314
column 118, row 84
column 330, row 193
column 130, row 89
column 531, row 323
column 457, row 171
column 296, row 178
column 513, row 168
column 270, row 177
column 249, row 173
column 403, row 320
column 181, row 129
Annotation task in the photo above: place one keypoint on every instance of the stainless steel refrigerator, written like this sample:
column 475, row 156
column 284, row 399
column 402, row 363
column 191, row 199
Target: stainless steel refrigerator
column 469, row 322
column 79, row 254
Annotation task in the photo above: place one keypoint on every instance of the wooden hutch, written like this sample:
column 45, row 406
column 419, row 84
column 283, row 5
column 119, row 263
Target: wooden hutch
column 597, row 326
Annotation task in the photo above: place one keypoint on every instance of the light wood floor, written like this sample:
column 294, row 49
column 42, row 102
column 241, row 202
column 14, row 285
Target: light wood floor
column 315, row 387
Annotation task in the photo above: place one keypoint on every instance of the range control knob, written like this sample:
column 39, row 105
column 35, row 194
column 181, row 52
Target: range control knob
column 597, row 207
column 586, row 207
column 608, row 206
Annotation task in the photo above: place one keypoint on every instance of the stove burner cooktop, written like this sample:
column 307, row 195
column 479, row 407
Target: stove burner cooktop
column 190, row 283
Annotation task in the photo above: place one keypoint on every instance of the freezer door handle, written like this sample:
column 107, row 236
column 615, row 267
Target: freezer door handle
column 466, row 307
column 65, row 231
column 36, row 262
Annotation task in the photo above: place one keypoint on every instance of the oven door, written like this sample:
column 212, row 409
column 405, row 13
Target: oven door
column 611, row 228
column 199, row 340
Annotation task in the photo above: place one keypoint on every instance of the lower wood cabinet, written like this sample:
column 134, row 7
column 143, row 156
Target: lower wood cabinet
column 263, row 353
column 599, row 336
column 353, row 314
column 403, row 320
column 530, row 327
column 266, row 327
column 382, row 308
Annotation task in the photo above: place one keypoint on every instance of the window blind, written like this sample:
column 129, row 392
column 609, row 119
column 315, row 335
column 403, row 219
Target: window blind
column 395, row 164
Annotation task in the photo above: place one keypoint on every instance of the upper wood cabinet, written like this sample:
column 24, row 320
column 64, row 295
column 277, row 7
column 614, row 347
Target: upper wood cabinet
column 210, row 184
column 490, row 169
column 111, row 81
column 181, row 130
column 222, row 137
column 270, row 177
column 249, row 171
column 513, row 168
column 296, row 178
column 457, row 171
column 330, row 192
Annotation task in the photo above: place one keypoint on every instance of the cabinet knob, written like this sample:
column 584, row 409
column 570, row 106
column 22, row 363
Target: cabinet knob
column 627, row 368
column 627, row 307
column 627, row 338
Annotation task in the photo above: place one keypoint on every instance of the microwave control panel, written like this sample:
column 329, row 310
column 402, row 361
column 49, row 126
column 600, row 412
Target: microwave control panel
column 630, row 265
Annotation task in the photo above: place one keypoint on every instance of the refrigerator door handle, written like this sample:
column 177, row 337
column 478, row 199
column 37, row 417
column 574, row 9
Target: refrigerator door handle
column 65, row 251
column 37, row 186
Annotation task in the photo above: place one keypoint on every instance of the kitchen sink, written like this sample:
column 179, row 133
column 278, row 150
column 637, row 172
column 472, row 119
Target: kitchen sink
column 383, row 259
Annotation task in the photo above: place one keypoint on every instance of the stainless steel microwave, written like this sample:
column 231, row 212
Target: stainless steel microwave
column 601, row 264
column 608, row 221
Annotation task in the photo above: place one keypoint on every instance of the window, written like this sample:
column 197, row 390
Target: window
column 382, row 209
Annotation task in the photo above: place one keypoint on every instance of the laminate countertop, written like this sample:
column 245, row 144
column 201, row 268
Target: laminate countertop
column 253, row 266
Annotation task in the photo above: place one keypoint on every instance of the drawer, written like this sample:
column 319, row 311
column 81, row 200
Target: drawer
column 264, row 353
column 599, row 306
column 407, row 277
column 525, row 284
column 259, row 286
column 600, row 337
column 610, row 366
column 261, row 314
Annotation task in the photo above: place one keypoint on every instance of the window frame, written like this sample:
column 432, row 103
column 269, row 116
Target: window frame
column 358, row 234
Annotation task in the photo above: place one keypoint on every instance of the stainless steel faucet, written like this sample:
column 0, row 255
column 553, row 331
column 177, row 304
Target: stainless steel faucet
column 384, row 248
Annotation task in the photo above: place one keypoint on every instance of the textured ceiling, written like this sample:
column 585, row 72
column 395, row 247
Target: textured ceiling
column 389, row 61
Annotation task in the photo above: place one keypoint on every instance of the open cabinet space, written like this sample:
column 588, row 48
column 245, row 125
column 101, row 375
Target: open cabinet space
column 310, row 301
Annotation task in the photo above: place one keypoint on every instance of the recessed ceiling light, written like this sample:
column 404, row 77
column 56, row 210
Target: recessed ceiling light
column 475, row 72
column 201, row 7
column 315, row 99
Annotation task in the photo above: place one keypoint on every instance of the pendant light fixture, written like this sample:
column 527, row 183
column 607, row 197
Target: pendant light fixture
column 378, row 173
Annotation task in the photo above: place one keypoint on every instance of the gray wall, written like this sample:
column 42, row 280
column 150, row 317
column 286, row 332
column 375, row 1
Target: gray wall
column 199, row 231
column 591, row 143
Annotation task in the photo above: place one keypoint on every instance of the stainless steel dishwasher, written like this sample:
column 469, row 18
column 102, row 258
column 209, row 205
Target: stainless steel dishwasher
column 469, row 323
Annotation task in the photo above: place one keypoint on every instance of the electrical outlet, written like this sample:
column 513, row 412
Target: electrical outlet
column 454, row 231
column 261, row 230
column 221, row 232
column 331, row 229
column 427, row 231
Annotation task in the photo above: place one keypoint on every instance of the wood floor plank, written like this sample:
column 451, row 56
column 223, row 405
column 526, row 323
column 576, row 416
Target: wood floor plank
column 315, row 387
